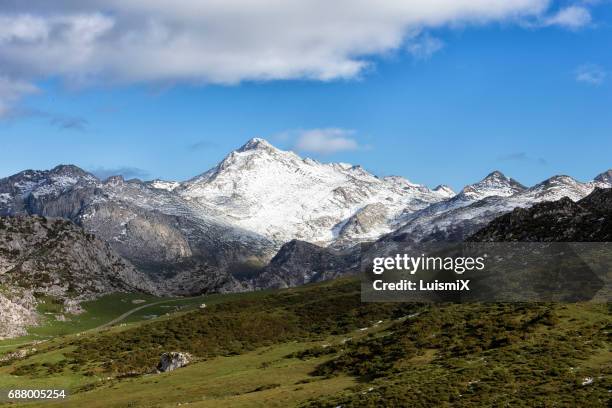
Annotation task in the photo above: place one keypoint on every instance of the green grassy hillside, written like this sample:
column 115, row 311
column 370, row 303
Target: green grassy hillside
column 320, row 346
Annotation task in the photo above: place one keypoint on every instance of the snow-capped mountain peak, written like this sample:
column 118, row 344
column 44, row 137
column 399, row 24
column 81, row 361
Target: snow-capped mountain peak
column 604, row 178
column 257, row 143
column 46, row 183
column 278, row 194
column 444, row 191
column 258, row 198
column 494, row 184
column 557, row 187
column 69, row 170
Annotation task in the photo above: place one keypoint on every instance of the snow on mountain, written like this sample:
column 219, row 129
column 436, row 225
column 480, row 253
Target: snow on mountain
column 282, row 196
column 495, row 184
column 604, row 179
column 464, row 214
column 189, row 236
column 41, row 184
column 445, row 191
column 556, row 188
column 164, row 185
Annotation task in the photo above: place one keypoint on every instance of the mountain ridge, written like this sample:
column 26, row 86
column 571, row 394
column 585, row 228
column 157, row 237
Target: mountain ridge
column 190, row 237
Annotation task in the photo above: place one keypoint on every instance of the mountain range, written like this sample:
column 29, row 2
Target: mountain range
column 217, row 231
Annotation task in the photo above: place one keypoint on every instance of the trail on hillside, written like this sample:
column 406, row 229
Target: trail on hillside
column 132, row 311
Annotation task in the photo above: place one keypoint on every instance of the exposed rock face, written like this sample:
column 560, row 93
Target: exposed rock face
column 15, row 317
column 173, row 360
column 60, row 192
column 604, row 178
column 588, row 220
column 365, row 223
column 56, row 257
column 181, row 246
column 53, row 257
column 300, row 262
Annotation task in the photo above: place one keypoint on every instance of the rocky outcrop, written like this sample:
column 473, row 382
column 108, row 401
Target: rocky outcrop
column 366, row 223
column 173, row 360
column 56, row 257
column 588, row 220
column 42, row 257
column 180, row 246
column 15, row 317
column 299, row 262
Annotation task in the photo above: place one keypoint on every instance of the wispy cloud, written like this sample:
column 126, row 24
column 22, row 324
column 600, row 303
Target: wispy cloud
column 68, row 123
column 591, row 74
column 60, row 121
column 126, row 171
column 572, row 17
column 424, row 46
column 202, row 145
column 326, row 140
column 11, row 91
column 522, row 157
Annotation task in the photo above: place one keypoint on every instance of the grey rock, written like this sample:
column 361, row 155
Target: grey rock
column 588, row 220
column 299, row 262
column 41, row 256
column 173, row 360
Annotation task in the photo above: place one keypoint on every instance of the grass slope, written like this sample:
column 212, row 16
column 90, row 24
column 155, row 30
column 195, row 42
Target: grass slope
column 320, row 346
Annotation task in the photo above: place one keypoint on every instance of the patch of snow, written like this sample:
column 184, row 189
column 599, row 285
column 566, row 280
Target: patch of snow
column 165, row 185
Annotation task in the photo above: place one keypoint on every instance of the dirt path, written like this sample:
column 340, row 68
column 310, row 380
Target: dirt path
column 109, row 323
column 131, row 311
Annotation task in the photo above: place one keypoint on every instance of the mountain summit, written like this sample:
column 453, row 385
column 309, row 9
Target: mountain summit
column 494, row 184
column 256, row 143
column 605, row 177
column 280, row 195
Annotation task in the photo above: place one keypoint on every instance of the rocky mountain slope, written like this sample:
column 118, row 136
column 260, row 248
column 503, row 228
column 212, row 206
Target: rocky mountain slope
column 299, row 262
column 587, row 220
column 182, row 246
column 189, row 237
column 53, row 258
column 459, row 217
column 203, row 234
column 279, row 195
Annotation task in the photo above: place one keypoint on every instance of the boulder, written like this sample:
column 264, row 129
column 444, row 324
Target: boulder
column 172, row 361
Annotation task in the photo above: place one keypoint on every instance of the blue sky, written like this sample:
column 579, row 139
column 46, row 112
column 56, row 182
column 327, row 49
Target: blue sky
column 447, row 104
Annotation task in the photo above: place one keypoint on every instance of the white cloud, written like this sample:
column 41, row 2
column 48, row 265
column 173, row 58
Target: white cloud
column 424, row 46
column 591, row 74
column 573, row 17
column 229, row 41
column 11, row 91
column 326, row 141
